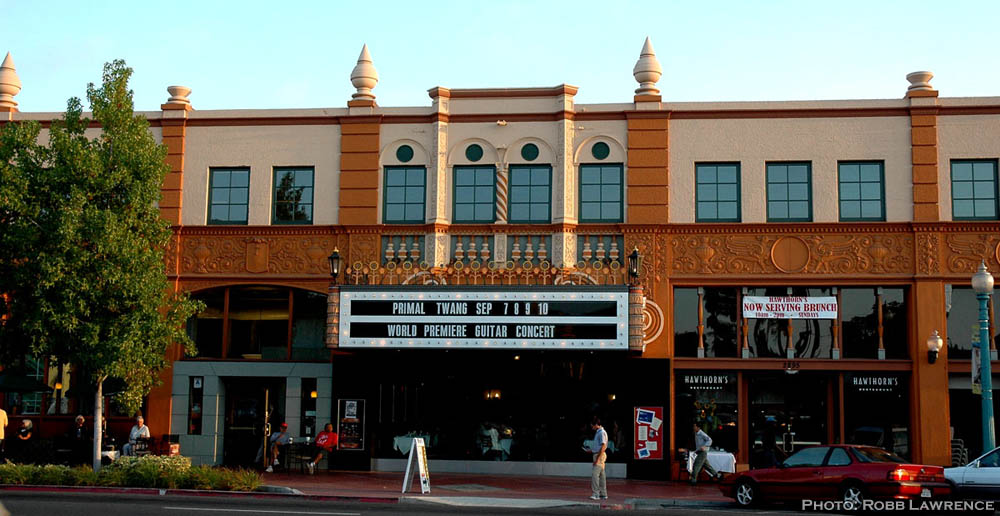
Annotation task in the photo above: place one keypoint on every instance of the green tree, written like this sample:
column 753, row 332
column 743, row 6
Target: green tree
column 82, row 245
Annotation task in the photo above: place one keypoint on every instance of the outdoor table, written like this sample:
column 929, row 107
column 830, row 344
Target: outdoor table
column 722, row 461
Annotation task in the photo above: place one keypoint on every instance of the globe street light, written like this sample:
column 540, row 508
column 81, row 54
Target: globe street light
column 934, row 344
column 982, row 283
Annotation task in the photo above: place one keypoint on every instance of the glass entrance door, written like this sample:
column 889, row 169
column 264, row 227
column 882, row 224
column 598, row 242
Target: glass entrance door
column 787, row 412
column 251, row 403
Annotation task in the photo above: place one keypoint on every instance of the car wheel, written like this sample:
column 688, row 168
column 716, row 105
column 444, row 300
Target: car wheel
column 853, row 495
column 746, row 493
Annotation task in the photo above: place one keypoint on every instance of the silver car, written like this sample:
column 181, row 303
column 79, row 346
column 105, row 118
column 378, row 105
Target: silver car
column 978, row 479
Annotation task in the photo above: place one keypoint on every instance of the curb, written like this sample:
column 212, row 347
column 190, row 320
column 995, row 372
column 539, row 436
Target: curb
column 654, row 503
column 494, row 502
column 281, row 492
column 264, row 492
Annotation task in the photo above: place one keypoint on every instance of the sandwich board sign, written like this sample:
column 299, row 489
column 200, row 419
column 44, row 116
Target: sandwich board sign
column 418, row 453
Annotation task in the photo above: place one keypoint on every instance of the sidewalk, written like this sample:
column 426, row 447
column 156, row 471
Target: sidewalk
column 486, row 490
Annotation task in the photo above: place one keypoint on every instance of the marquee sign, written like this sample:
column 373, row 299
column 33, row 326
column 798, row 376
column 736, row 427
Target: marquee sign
column 789, row 307
column 550, row 317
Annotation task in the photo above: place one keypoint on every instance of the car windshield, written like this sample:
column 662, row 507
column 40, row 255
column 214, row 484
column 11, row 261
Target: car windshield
column 876, row 455
column 990, row 460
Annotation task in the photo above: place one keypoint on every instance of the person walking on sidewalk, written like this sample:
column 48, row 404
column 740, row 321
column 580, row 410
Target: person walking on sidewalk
column 599, row 447
column 702, row 442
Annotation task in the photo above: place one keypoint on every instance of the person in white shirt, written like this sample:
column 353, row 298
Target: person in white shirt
column 278, row 441
column 702, row 442
column 598, row 478
column 139, row 431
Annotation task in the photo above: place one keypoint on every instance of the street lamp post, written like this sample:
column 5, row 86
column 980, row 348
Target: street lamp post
column 982, row 283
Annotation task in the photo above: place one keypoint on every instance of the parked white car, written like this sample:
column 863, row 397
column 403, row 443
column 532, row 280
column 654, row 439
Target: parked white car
column 979, row 478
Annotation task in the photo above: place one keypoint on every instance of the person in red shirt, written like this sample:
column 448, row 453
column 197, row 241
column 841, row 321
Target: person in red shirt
column 325, row 441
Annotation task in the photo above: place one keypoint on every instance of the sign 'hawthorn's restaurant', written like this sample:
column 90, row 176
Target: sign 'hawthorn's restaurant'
column 485, row 317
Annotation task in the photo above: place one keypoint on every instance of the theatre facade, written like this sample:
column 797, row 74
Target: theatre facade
column 509, row 263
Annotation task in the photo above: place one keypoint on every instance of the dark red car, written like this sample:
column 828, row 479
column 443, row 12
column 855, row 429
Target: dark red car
column 846, row 473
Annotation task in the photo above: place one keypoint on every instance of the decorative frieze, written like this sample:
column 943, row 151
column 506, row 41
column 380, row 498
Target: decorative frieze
column 946, row 249
column 793, row 254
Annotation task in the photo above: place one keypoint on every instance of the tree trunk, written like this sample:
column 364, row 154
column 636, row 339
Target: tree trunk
column 98, row 421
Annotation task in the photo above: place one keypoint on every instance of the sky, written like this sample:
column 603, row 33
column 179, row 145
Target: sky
column 298, row 54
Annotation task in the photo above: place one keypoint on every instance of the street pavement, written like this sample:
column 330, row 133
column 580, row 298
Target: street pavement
column 344, row 493
column 25, row 503
column 496, row 489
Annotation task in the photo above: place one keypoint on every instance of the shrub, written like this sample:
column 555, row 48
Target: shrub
column 239, row 480
column 81, row 476
column 17, row 474
column 200, row 477
column 111, row 477
column 149, row 471
column 48, row 475
column 152, row 462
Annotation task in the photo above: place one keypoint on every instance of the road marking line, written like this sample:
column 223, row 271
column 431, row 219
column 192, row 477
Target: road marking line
column 260, row 511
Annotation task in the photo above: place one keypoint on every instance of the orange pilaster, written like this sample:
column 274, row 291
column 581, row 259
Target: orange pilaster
column 359, row 170
column 929, row 382
column 924, row 156
column 648, row 167
column 174, row 130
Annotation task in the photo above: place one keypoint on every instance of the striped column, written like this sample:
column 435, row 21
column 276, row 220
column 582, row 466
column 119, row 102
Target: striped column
column 502, row 179
column 333, row 316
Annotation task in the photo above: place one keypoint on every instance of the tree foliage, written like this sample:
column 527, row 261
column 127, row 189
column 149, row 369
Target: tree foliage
column 82, row 243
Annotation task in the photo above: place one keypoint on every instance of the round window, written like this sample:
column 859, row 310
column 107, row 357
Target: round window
column 600, row 150
column 404, row 153
column 529, row 152
column 474, row 152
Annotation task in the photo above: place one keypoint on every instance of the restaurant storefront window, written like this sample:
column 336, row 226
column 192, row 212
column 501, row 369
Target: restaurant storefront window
column 877, row 411
column 965, row 408
column 708, row 398
column 787, row 412
column 862, row 323
column 810, row 338
column 873, row 323
column 718, row 315
column 963, row 319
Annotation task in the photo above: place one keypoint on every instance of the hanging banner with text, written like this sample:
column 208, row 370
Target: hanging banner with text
column 503, row 317
column 789, row 307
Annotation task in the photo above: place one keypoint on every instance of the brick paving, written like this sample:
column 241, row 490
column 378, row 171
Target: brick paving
column 384, row 485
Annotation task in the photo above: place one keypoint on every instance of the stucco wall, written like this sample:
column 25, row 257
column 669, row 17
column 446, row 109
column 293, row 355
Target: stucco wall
column 262, row 148
column 964, row 137
column 561, row 144
column 821, row 141
column 207, row 447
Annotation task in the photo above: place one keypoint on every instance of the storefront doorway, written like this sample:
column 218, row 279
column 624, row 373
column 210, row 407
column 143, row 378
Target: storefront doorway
column 787, row 412
column 250, row 403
